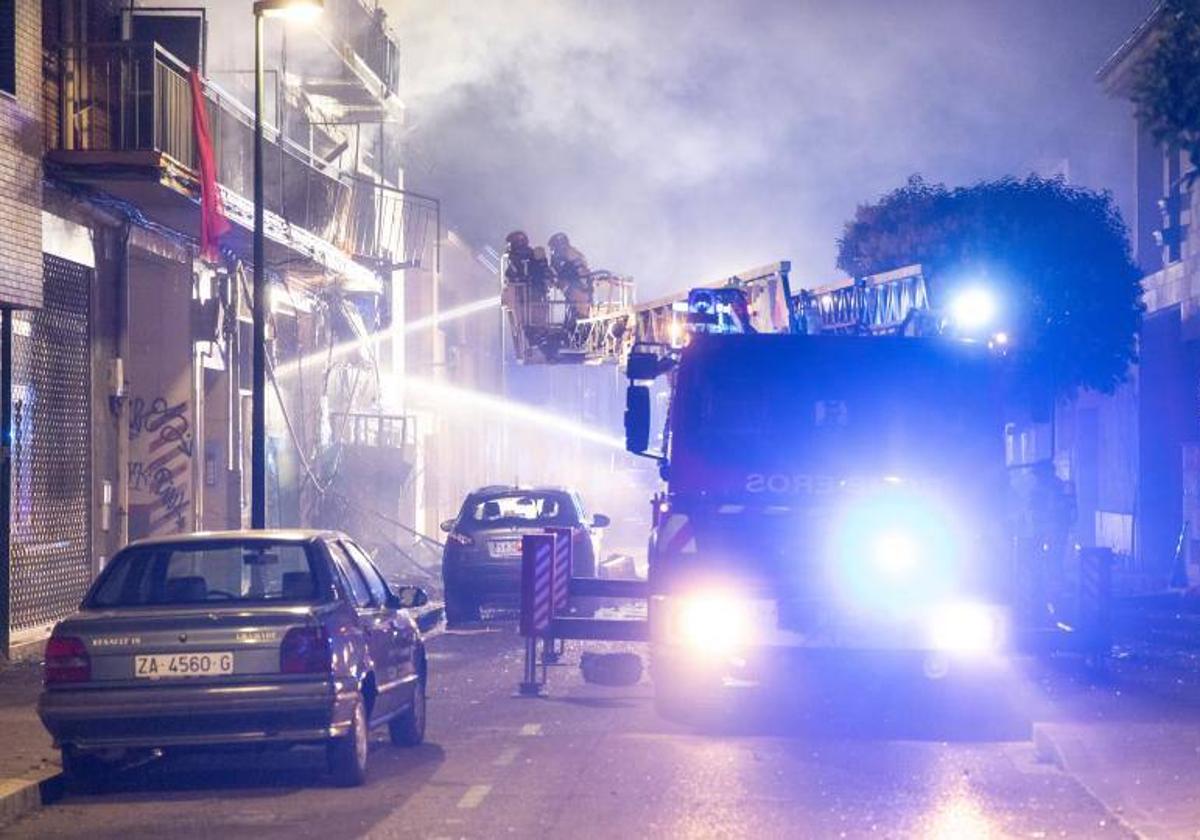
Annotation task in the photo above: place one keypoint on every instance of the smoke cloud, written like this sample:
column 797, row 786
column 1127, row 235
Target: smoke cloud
column 680, row 140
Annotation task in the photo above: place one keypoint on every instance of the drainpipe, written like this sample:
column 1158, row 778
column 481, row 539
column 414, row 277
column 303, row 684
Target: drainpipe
column 121, row 340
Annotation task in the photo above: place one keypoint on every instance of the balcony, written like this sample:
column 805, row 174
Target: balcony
column 125, row 128
column 361, row 69
column 375, row 446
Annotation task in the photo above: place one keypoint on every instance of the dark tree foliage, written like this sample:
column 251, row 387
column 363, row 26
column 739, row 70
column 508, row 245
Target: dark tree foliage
column 1166, row 87
column 1056, row 256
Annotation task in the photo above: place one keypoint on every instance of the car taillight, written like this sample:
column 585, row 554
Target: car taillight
column 306, row 650
column 67, row 661
column 460, row 539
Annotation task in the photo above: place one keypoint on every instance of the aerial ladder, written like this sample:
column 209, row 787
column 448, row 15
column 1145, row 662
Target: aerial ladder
column 548, row 331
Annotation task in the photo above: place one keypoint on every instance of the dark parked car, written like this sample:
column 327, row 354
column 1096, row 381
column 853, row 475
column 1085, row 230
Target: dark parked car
column 237, row 638
column 482, row 559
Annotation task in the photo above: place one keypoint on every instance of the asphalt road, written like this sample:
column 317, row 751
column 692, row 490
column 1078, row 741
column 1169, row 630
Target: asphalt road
column 591, row 761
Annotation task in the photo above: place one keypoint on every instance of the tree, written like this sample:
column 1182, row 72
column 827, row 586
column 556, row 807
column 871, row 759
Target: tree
column 1056, row 256
column 1166, row 88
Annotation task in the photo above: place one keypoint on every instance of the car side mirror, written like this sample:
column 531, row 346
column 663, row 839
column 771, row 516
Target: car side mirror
column 637, row 418
column 447, row 526
column 601, row 521
column 408, row 597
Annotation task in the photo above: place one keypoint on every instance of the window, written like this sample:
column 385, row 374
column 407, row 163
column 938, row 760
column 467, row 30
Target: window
column 522, row 508
column 210, row 573
column 360, row 592
column 8, row 46
column 379, row 590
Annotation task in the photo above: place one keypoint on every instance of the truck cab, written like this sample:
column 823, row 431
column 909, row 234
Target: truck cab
column 825, row 493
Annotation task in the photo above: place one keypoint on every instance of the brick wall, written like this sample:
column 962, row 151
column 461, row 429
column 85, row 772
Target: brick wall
column 21, row 167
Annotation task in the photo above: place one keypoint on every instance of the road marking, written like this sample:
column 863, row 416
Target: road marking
column 507, row 757
column 530, row 729
column 474, row 796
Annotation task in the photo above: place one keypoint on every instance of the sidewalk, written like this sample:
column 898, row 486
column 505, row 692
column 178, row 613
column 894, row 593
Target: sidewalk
column 1134, row 742
column 28, row 763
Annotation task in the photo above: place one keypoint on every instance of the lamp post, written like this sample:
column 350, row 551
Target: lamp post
column 291, row 9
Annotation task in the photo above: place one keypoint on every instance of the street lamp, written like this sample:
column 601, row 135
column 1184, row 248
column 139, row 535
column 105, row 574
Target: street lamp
column 295, row 10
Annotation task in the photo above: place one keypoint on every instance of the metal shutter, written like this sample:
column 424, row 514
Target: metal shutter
column 52, row 465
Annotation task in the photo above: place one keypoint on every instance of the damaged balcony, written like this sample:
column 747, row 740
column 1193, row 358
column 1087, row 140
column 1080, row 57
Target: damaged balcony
column 126, row 130
column 359, row 68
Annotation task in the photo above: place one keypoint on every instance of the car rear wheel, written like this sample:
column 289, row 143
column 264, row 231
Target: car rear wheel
column 348, row 754
column 408, row 730
column 461, row 608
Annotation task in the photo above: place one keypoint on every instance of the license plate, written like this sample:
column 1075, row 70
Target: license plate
column 167, row 666
column 505, row 548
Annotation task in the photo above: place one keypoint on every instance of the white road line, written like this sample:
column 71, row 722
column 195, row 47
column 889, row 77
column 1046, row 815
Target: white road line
column 530, row 729
column 475, row 794
column 507, row 757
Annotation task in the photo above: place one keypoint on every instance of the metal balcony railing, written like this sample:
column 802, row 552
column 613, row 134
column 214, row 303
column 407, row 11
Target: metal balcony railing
column 394, row 227
column 363, row 28
column 386, row 431
column 128, row 96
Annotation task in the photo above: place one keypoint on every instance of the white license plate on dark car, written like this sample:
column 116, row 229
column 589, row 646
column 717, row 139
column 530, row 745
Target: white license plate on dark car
column 505, row 548
column 168, row 666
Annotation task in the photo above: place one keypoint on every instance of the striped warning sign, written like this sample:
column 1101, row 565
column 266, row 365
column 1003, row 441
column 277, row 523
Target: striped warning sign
column 562, row 567
column 537, row 583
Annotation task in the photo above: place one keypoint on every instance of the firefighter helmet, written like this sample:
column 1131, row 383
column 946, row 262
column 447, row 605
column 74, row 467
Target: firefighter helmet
column 517, row 239
column 559, row 242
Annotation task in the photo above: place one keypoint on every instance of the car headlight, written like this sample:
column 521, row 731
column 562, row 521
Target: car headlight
column 965, row 628
column 713, row 622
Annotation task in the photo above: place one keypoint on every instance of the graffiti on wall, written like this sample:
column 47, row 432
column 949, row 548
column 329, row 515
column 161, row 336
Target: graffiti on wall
column 160, row 436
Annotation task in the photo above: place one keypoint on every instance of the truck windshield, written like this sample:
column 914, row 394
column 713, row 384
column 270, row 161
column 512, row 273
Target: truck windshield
column 209, row 573
column 833, row 407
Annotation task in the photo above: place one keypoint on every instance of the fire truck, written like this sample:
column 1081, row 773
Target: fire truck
column 835, row 484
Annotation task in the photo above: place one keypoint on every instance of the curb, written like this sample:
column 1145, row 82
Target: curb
column 1046, row 749
column 23, row 796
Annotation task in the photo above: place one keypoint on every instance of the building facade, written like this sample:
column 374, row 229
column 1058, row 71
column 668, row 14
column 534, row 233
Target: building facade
column 1140, row 449
column 128, row 351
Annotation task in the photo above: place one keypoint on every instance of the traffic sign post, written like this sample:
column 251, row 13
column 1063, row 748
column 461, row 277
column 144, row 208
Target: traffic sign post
column 547, row 585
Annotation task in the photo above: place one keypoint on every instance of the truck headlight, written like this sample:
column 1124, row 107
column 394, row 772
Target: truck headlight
column 965, row 628
column 713, row 622
column 896, row 553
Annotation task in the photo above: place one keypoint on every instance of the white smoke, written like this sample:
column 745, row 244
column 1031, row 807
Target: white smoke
column 679, row 140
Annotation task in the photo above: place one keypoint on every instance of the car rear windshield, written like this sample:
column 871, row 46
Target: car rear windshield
column 521, row 509
column 209, row 573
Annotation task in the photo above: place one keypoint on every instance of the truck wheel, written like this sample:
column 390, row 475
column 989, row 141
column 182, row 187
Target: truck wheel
column 460, row 608
column 408, row 730
column 347, row 755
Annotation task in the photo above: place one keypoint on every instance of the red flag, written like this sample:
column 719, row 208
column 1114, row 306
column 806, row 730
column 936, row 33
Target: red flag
column 213, row 224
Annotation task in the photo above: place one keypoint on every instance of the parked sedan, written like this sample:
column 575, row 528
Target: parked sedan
column 482, row 559
column 236, row 638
